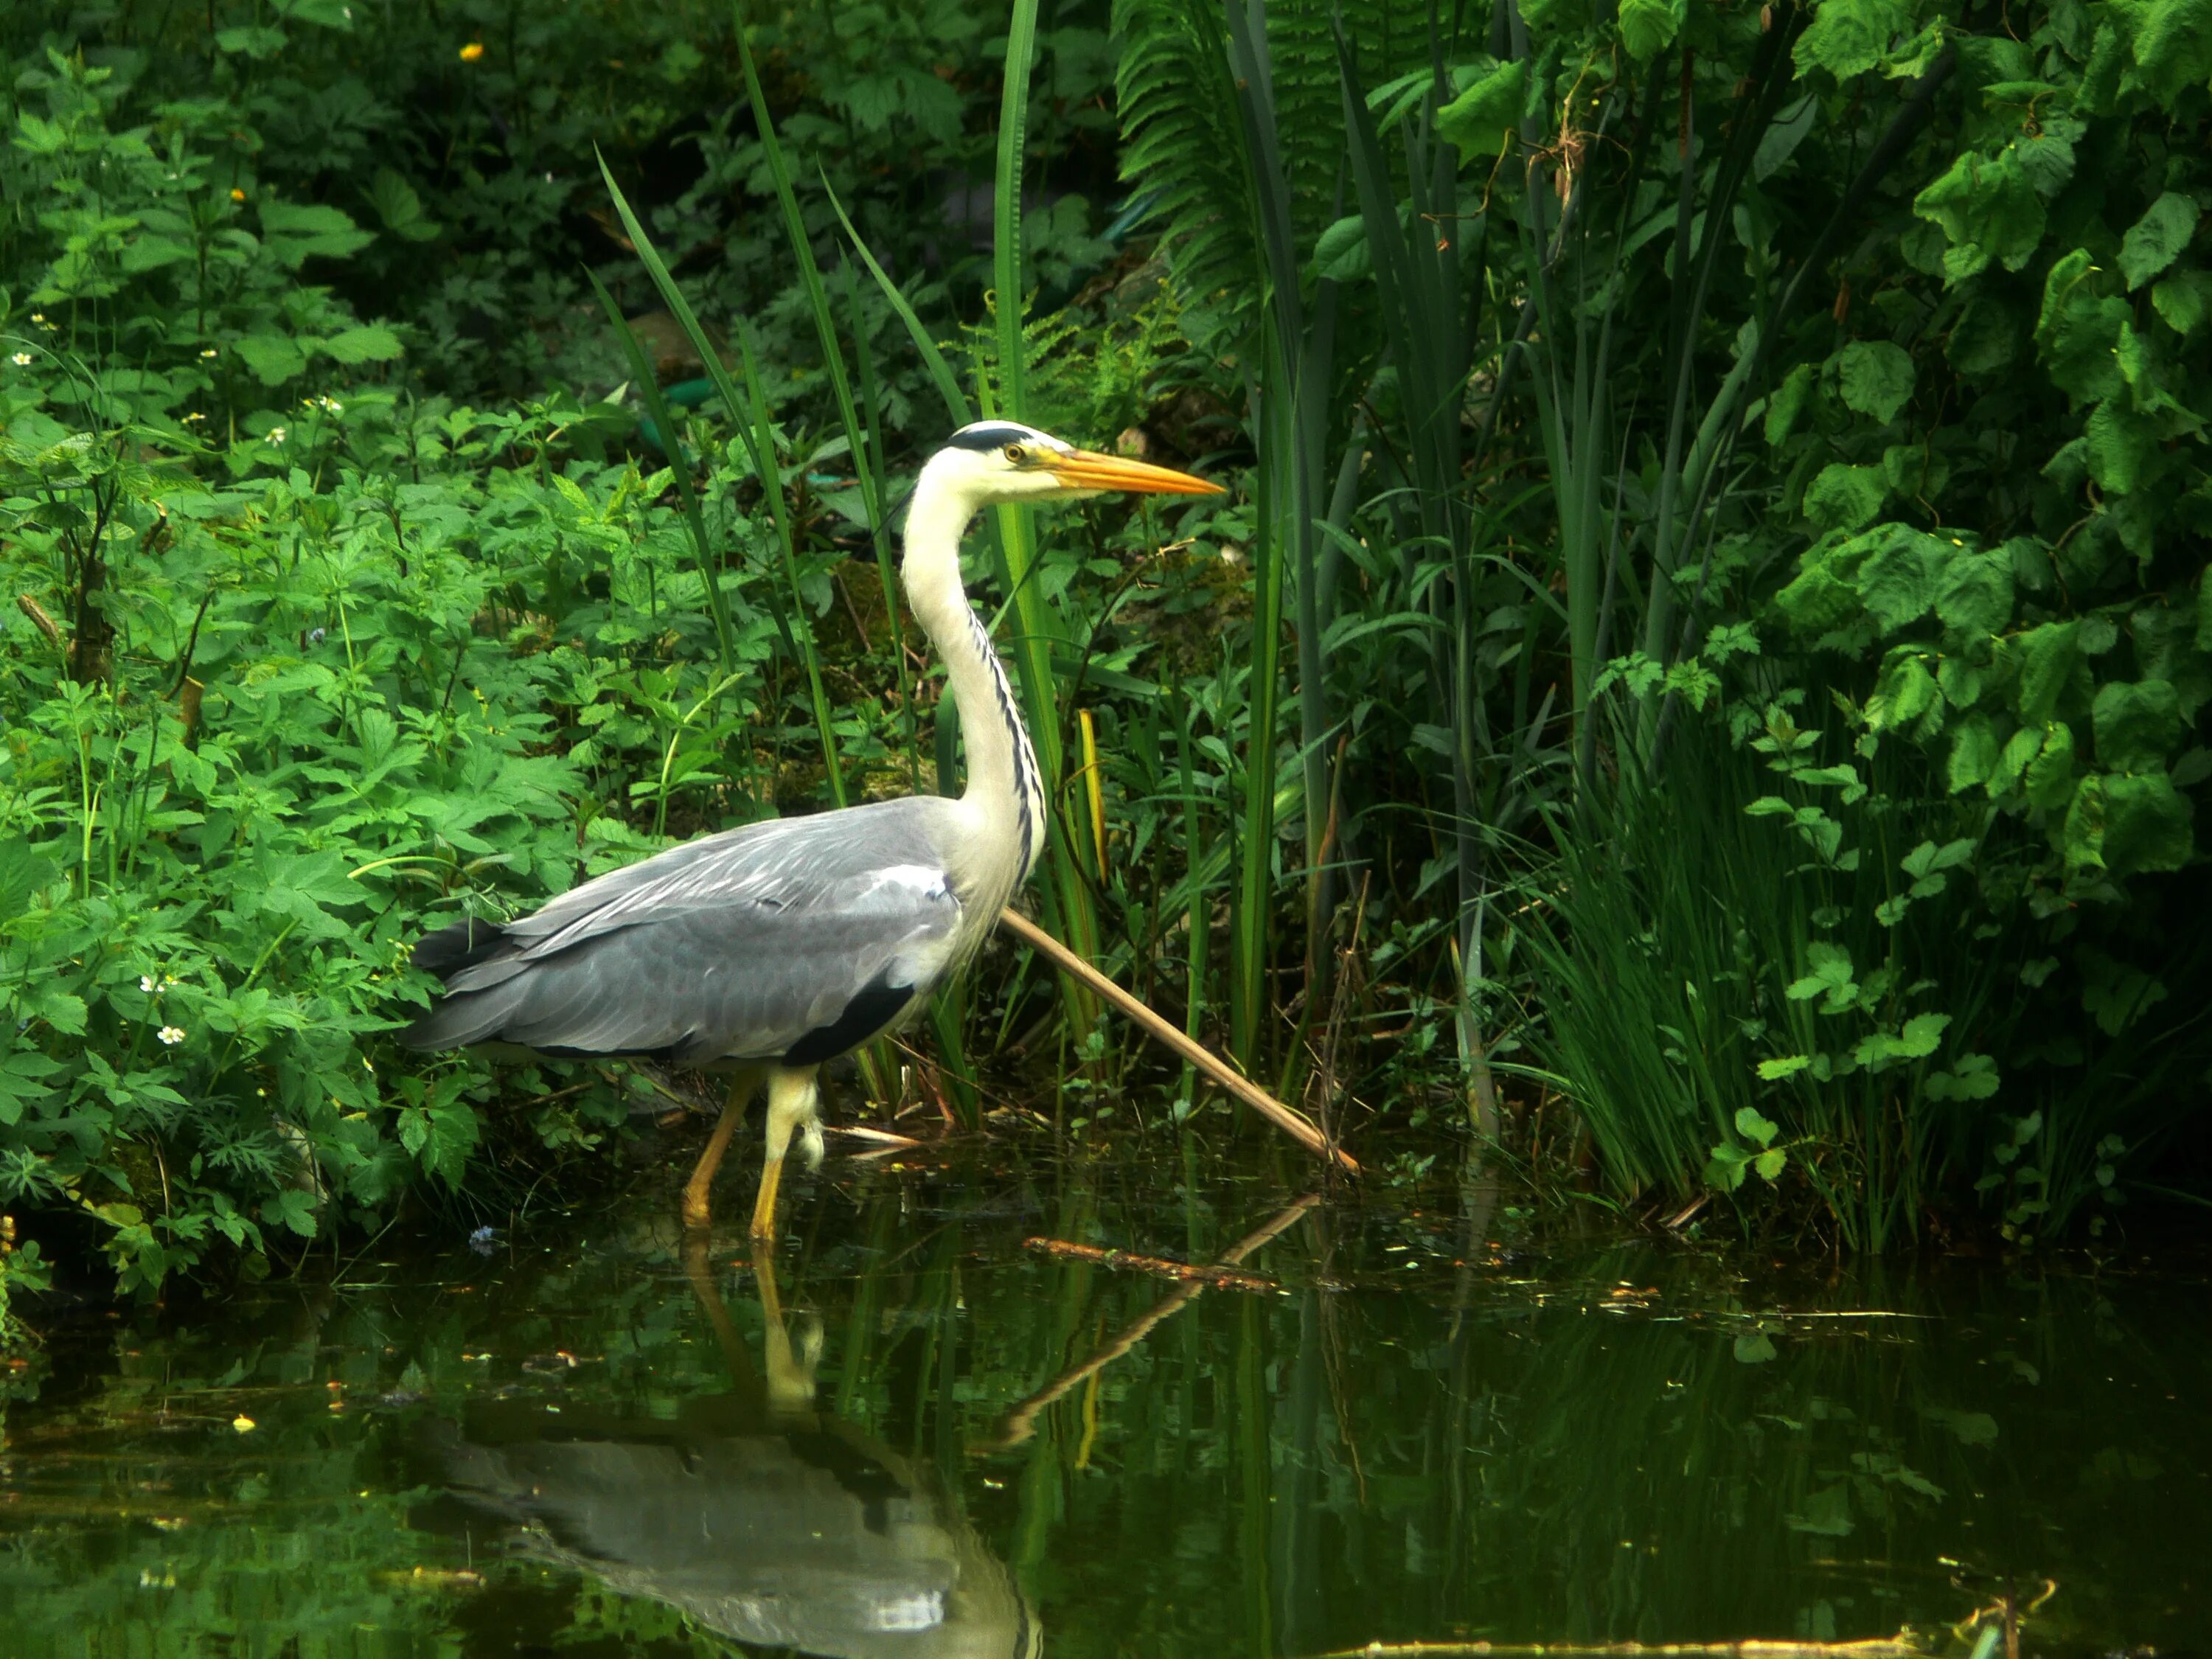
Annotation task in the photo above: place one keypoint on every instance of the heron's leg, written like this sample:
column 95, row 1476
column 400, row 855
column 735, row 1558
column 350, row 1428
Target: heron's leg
column 791, row 1098
column 791, row 1361
column 702, row 1177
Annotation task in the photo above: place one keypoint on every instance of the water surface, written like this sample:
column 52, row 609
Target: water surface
column 911, row 1432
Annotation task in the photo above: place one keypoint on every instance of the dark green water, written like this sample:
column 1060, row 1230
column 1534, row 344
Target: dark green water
column 1432, row 1425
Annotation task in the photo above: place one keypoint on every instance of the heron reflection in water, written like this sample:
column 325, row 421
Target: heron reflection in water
column 754, row 1515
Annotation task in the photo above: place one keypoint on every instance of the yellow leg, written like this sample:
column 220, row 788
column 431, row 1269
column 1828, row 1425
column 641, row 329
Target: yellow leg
column 702, row 1177
column 790, row 1103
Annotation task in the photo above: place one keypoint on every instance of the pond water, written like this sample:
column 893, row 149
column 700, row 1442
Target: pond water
column 913, row 1433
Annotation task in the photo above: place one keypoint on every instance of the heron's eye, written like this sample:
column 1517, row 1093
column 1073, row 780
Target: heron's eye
column 1016, row 455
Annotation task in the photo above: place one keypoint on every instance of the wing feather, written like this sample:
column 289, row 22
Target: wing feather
column 736, row 945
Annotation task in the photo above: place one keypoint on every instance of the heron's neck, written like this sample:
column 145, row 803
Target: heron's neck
column 1004, row 787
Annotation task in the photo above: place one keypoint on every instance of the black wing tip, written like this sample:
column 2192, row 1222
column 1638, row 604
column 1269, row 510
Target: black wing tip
column 461, row 944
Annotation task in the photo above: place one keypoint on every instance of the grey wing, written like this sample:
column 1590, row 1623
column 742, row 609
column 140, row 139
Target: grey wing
column 798, row 939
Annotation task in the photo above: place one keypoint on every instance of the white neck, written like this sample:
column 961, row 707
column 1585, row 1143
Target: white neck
column 1004, row 792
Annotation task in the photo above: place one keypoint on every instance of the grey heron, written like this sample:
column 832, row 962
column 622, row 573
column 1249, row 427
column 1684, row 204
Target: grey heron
column 778, row 946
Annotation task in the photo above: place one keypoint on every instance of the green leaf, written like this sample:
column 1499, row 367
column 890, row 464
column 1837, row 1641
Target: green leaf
column 1649, row 26
column 1875, row 377
column 296, row 234
column 2146, row 824
column 1990, row 208
column 273, row 358
column 2048, row 779
column 1905, row 693
column 371, row 342
column 400, row 208
column 1773, row 1071
column 1898, row 583
column 1974, row 759
column 1754, row 1348
column 2183, row 300
column 1344, row 253
column 1849, row 36
column 1971, row 1076
column 2137, row 725
column 1921, row 1034
column 1788, row 403
column 1974, row 598
column 2157, row 239
column 250, row 42
column 1478, row 121
column 1845, row 497
column 1754, row 1127
column 2174, row 47
column 1769, row 1164
column 2049, row 658
column 2078, row 333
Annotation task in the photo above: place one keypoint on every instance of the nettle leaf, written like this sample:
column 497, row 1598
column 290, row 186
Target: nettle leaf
column 273, row 358
column 2137, row 725
column 1649, row 26
column 1974, row 595
column 1477, row 122
column 1989, row 206
column 2157, row 239
column 1845, row 497
column 371, row 342
column 1849, row 36
column 400, row 208
column 1875, row 377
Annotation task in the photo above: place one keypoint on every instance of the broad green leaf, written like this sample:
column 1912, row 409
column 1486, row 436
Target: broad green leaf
column 1754, row 1127
column 2048, row 778
column 1849, row 37
column 1756, row 1348
column 371, row 342
column 250, row 42
column 147, row 252
column 1845, row 497
column 1974, row 759
column 2137, row 723
column 1971, row 1076
column 1649, row 26
column 1770, row 1164
column 1921, row 1034
column 2173, row 46
column 1990, row 208
column 1875, row 377
column 2079, row 330
column 2050, row 660
column 273, row 358
column 1343, row 253
column 400, row 208
column 1905, row 693
column 1773, row 1071
column 2183, row 300
column 1974, row 598
column 1478, row 121
column 1788, row 403
column 1898, row 583
column 296, row 234
column 2156, row 240
column 2146, row 825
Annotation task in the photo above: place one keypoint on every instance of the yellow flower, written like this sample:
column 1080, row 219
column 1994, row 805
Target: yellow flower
column 471, row 51
column 238, row 196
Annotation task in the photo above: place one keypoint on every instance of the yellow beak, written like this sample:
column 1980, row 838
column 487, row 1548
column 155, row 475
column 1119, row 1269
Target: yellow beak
column 1086, row 469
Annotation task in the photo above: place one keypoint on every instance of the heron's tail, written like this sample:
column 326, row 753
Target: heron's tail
column 459, row 1018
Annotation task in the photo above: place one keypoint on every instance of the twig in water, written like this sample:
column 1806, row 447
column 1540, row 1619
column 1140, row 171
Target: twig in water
column 1294, row 1124
column 1021, row 1422
column 1159, row 1267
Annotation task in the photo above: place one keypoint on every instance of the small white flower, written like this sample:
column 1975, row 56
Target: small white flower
column 171, row 1035
column 146, row 983
column 209, row 352
column 276, row 436
column 21, row 360
column 194, row 415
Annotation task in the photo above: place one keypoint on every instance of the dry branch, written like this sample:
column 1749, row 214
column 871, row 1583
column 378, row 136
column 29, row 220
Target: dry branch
column 1159, row 1266
column 1295, row 1124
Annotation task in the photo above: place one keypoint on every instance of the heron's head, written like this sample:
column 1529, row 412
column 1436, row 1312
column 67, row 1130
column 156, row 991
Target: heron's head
column 994, row 461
